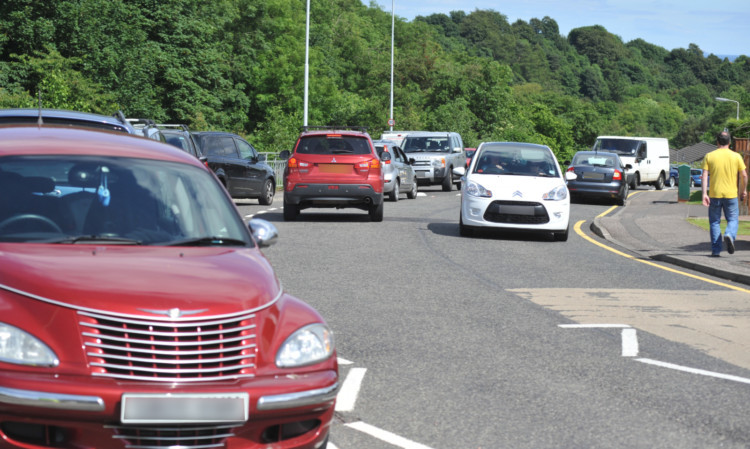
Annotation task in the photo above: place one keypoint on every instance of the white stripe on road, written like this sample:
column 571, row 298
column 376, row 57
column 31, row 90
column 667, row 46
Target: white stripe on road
column 629, row 343
column 701, row 372
column 343, row 361
column 593, row 326
column 386, row 436
column 349, row 390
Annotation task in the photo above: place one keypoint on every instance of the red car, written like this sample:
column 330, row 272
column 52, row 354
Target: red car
column 138, row 308
column 333, row 168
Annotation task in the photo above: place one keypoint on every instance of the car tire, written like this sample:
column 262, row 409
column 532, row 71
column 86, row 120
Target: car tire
column 561, row 236
column 376, row 212
column 291, row 211
column 635, row 181
column 692, row 183
column 672, row 181
column 411, row 194
column 621, row 200
column 660, row 182
column 266, row 197
column 393, row 194
column 448, row 181
column 463, row 230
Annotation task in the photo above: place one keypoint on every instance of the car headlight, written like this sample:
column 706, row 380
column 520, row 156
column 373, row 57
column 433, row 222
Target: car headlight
column 475, row 189
column 308, row 345
column 438, row 162
column 22, row 348
column 559, row 193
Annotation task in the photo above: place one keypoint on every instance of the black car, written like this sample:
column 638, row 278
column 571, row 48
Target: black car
column 238, row 165
column 599, row 175
column 181, row 137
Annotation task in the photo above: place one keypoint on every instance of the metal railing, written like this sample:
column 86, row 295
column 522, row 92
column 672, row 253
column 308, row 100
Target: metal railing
column 278, row 166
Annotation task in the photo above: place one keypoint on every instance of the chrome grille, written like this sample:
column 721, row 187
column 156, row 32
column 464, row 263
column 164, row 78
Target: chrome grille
column 162, row 350
column 183, row 437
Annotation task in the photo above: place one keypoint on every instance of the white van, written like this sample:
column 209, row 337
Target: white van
column 649, row 157
column 396, row 136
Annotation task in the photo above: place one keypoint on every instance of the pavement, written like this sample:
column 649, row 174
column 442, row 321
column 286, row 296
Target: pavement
column 653, row 224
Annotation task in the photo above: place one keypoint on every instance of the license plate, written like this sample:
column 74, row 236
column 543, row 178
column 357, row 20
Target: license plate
column 591, row 175
column 422, row 174
column 184, row 408
column 334, row 168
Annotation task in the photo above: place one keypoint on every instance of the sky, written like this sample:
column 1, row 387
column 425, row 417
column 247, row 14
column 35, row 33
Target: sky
column 721, row 27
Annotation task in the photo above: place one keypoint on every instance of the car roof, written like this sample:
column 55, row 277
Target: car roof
column 603, row 153
column 514, row 145
column 65, row 140
column 60, row 117
column 430, row 134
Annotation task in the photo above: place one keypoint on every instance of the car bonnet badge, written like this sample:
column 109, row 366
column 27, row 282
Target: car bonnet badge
column 518, row 194
column 333, row 161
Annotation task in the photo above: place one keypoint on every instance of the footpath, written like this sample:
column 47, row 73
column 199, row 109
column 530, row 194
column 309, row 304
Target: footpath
column 653, row 224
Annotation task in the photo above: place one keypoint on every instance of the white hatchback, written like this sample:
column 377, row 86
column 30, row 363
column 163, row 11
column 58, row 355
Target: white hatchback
column 512, row 185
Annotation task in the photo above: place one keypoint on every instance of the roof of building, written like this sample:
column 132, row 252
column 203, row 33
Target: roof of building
column 692, row 153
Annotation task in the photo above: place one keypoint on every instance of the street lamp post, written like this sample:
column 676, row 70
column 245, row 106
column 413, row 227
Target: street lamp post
column 307, row 57
column 393, row 24
column 733, row 101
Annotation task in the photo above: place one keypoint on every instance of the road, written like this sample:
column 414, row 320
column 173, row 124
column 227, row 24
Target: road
column 480, row 342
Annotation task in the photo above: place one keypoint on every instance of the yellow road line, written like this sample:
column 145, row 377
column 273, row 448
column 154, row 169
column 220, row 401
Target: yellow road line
column 578, row 230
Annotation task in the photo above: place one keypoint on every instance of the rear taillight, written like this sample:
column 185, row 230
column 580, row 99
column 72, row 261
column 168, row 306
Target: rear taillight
column 570, row 169
column 292, row 163
column 375, row 163
column 617, row 176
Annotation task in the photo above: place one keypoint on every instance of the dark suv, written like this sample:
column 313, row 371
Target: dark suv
column 333, row 167
column 238, row 165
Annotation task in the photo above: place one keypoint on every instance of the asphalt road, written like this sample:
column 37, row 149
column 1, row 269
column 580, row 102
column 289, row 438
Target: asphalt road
column 478, row 342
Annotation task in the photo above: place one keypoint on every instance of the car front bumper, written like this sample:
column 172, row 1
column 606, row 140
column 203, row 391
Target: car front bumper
column 521, row 215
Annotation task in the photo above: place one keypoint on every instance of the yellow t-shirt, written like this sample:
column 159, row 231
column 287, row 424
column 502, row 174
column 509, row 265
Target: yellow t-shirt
column 724, row 166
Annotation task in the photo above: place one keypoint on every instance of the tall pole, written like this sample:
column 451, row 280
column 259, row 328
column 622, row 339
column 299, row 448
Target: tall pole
column 733, row 101
column 393, row 23
column 307, row 58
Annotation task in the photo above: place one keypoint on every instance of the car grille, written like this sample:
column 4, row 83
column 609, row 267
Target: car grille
column 422, row 163
column 516, row 212
column 183, row 437
column 169, row 351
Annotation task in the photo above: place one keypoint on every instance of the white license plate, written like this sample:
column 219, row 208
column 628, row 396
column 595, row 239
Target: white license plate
column 422, row 174
column 184, row 408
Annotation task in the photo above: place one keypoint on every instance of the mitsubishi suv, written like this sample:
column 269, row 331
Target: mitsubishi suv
column 333, row 168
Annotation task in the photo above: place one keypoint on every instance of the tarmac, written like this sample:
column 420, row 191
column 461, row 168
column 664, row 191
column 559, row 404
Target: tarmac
column 653, row 224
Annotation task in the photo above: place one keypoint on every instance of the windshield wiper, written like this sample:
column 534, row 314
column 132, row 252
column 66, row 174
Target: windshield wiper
column 99, row 239
column 207, row 241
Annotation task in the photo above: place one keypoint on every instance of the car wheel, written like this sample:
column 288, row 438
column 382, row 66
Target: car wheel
column 561, row 236
column 635, row 181
column 376, row 212
column 692, row 183
column 672, row 181
column 290, row 212
column 266, row 198
column 660, row 182
column 411, row 194
column 393, row 195
column 621, row 200
column 463, row 230
column 448, row 181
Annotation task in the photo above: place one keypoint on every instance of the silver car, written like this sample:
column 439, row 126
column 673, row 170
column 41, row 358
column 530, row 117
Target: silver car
column 397, row 169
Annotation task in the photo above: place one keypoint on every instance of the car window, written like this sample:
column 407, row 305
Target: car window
column 415, row 144
column 64, row 198
column 519, row 161
column 333, row 144
column 246, row 150
column 220, row 146
column 400, row 156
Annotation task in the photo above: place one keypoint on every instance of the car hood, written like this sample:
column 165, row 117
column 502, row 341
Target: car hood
column 127, row 280
column 516, row 187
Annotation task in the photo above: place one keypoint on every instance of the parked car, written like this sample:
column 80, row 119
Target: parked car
column 181, row 137
column 514, row 186
column 674, row 176
column 333, row 168
column 695, row 177
column 599, row 175
column 138, row 308
column 116, row 122
column 436, row 154
column 238, row 165
column 398, row 173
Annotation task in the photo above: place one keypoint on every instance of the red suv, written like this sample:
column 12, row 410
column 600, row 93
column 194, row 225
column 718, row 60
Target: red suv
column 333, row 167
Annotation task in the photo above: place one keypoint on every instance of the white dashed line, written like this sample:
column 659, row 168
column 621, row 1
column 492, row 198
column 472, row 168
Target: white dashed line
column 350, row 389
column 386, row 436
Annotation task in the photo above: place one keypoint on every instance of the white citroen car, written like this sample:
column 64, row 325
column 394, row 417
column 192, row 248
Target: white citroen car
column 511, row 185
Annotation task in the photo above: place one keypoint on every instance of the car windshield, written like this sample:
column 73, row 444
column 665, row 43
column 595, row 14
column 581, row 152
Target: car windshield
column 594, row 160
column 333, row 144
column 414, row 144
column 84, row 199
column 520, row 161
column 625, row 147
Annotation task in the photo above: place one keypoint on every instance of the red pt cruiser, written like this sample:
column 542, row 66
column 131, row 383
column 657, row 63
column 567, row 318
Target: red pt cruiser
column 138, row 310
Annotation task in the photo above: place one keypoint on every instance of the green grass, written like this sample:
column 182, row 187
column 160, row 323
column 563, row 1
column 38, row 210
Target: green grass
column 744, row 228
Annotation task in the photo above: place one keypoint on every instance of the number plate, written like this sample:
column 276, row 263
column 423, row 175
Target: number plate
column 422, row 174
column 184, row 408
column 591, row 175
column 335, row 168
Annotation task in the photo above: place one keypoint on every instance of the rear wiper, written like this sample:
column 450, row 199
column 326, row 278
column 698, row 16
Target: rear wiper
column 99, row 239
column 207, row 241
column 343, row 151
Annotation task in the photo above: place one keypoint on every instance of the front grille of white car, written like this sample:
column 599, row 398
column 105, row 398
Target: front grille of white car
column 516, row 212
column 164, row 350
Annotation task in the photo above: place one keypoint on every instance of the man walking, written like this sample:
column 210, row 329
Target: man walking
column 724, row 166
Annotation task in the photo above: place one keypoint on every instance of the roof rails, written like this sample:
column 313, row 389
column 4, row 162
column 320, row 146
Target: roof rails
column 362, row 129
column 180, row 126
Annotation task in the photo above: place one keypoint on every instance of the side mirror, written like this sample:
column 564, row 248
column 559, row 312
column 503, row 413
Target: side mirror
column 566, row 163
column 412, row 161
column 285, row 154
column 263, row 231
column 261, row 157
column 385, row 156
column 570, row 176
column 459, row 171
column 628, row 167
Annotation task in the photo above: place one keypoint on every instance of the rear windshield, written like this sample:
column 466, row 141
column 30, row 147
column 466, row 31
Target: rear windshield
column 595, row 160
column 623, row 147
column 438, row 144
column 334, row 144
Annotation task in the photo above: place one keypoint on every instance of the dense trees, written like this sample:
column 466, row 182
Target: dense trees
column 238, row 65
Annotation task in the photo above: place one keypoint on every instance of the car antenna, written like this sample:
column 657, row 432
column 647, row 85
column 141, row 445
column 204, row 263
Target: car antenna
column 39, row 121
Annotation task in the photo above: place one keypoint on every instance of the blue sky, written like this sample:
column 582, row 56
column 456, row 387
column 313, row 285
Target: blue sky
column 721, row 27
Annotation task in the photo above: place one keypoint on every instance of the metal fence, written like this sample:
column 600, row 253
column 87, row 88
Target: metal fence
column 278, row 166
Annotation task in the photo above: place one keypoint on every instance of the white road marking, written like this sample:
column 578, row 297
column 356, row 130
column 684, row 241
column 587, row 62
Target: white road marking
column 629, row 343
column 593, row 326
column 349, row 390
column 386, row 436
column 344, row 361
column 701, row 372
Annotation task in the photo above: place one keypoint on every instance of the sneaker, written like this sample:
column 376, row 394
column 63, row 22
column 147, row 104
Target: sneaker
column 730, row 244
column 715, row 255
